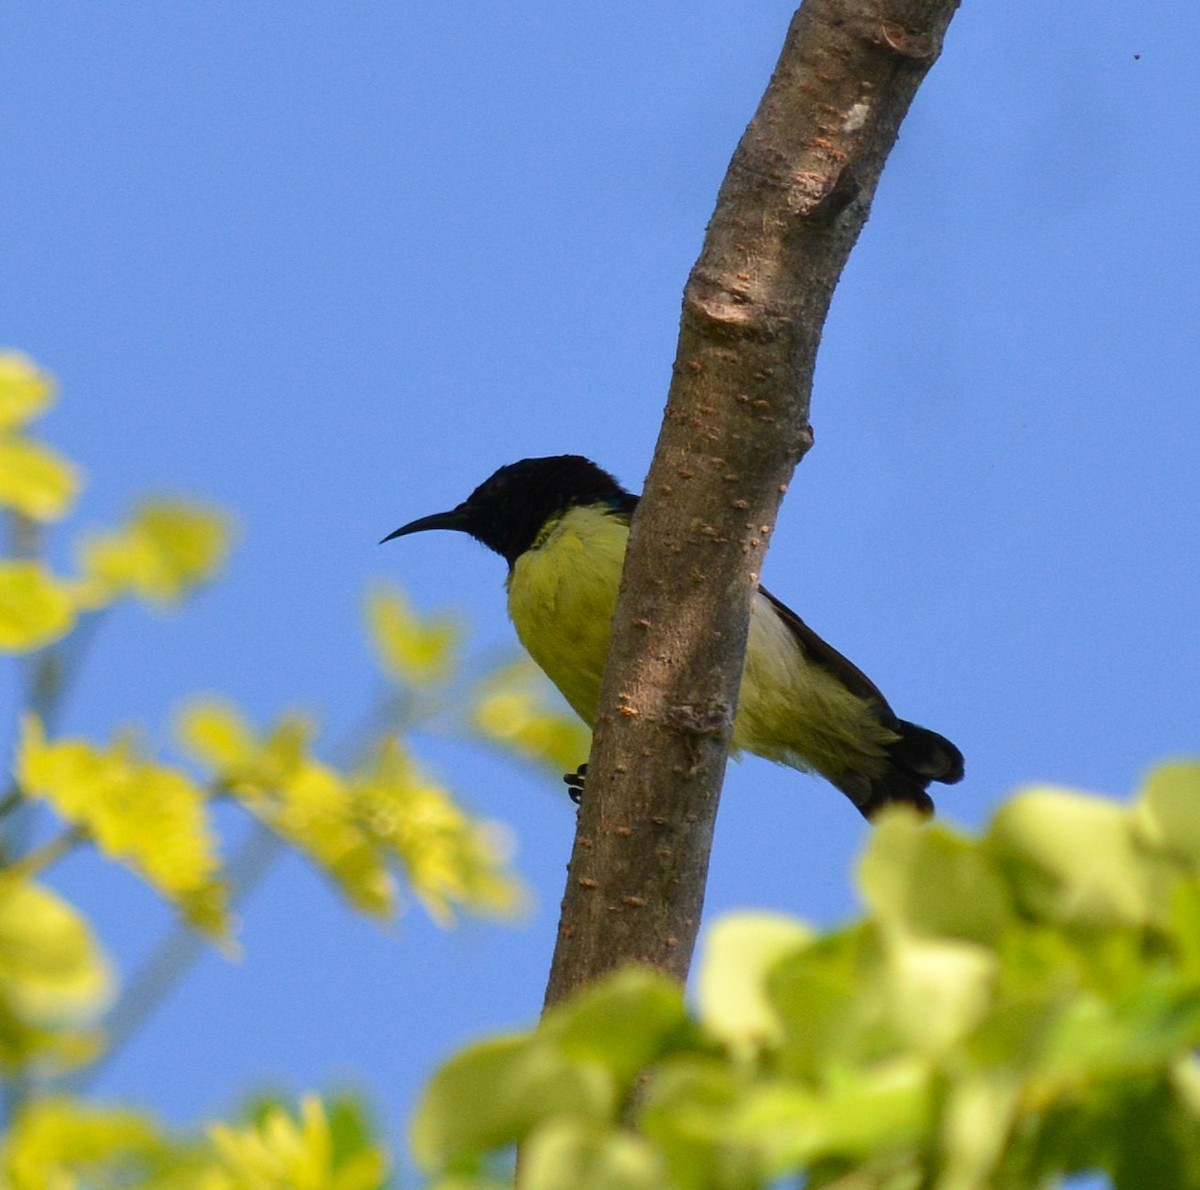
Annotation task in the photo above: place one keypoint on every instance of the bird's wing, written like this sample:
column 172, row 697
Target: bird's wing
column 829, row 659
column 813, row 647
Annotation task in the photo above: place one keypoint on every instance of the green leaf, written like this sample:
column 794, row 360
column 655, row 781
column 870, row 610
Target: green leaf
column 1015, row 1010
column 1095, row 1039
column 580, row 1155
column 1167, row 812
column 931, row 882
column 352, row 1130
column 864, row 1113
column 1071, row 858
column 721, row 1130
column 492, row 1093
column 826, row 1001
column 937, row 992
column 622, row 1022
column 739, row 951
column 1152, row 1139
column 686, row 1112
column 461, row 1181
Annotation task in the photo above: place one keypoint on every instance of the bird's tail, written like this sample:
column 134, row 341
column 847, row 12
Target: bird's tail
column 918, row 757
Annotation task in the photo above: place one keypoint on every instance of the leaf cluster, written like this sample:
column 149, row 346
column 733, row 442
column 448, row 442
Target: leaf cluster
column 60, row 1143
column 372, row 822
column 1011, row 1009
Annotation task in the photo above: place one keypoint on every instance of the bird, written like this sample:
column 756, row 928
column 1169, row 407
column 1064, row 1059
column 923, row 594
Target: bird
column 562, row 523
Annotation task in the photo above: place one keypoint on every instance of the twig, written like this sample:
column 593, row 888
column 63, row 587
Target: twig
column 38, row 860
column 163, row 971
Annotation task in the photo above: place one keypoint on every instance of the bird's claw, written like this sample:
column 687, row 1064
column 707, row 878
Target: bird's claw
column 575, row 783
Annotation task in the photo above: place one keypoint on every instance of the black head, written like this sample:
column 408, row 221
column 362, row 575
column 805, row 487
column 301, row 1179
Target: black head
column 508, row 510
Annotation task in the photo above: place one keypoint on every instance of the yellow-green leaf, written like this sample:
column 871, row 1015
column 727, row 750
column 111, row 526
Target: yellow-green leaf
column 622, row 1022
column 1166, row 812
column 313, row 810
column 167, row 549
column 59, row 1143
column 54, row 978
column 286, row 1152
column 35, row 608
column 1071, row 858
column 302, row 800
column 35, row 480
column 569, row 1154
column 449, row 858
column 216, row 734
column 930, row 881
column 25, row 390
column 414, row 648
column 389, row 812
column 51, row 968
column 739, row 952
column 491, row 1094
column 687, row 1104
column 977, row 1120
column 517, row 708
column 937, row 991
column 148, row 816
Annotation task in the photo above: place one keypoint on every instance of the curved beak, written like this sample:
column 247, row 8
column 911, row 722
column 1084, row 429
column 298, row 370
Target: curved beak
column 456, row 518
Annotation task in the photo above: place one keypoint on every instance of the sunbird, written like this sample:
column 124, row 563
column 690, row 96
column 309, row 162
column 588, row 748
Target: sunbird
column 561, row 523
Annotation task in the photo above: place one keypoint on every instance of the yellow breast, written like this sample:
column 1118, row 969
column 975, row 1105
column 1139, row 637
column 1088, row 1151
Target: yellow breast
column 561, row 597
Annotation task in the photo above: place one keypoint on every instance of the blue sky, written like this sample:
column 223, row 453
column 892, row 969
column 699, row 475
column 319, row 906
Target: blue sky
column 330, row 265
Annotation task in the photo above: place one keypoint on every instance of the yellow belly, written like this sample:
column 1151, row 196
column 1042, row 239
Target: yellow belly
column 561, row 597
column 562, row 594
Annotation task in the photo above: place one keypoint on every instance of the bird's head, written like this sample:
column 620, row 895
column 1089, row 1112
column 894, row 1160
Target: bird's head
column 509, row 509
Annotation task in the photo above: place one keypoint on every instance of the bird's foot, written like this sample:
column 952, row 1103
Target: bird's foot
column 575, row 782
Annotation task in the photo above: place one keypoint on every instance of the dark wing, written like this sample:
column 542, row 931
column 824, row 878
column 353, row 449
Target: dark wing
column 917, row 756
column 817, row 651
column 830, row 660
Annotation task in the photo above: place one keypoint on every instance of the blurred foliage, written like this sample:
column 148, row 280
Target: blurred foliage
column 512, row 708
column 59, row 1143
column 151, row 817
column 164, row 552
column 35, row 608
column 34, row 480
column 1011, row 1010
column 54, row 980
column 410, row 648
column 374, row 823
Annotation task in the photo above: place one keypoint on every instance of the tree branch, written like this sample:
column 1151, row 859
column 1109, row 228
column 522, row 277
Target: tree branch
column 792, row 204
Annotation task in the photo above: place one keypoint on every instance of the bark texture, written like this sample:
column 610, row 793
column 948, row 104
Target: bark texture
column 795, row 197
